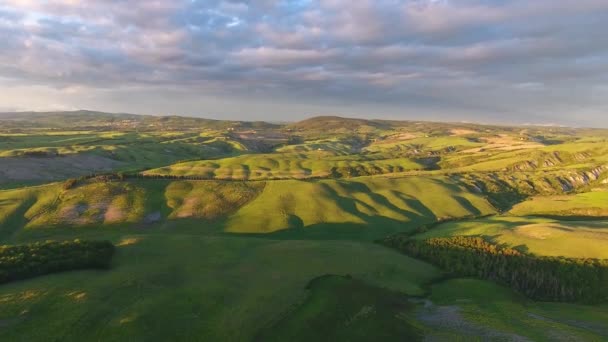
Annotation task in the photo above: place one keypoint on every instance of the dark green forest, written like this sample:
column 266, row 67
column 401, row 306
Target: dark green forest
column 26, row 261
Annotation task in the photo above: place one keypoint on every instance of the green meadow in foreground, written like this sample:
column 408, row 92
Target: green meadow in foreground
column 168, row 286
column 251, row 231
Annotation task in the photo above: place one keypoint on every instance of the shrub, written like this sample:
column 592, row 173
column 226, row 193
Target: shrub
column 70, row 183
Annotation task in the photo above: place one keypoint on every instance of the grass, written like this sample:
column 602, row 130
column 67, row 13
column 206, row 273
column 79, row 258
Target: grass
column 569, row 155
column 317, row 164
column 71, row 155
column 588, row 204
column 540, row 236
column 371, row 206
column 346, row 309
column 424, row 143
column 481, row 310
column 233, row 260
column 361, row 208
column 174, row 286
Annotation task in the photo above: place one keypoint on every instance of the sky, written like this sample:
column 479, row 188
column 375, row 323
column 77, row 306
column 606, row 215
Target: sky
column 486, row 61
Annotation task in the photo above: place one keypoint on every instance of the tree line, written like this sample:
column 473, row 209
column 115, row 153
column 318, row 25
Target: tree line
column 26, row 261
column 540, row 278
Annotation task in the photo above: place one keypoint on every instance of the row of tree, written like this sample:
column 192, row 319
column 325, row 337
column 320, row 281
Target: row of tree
column 540, row 278
column 26, row 261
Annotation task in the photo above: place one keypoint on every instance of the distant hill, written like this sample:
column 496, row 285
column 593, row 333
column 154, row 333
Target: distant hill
column 94, row 119
column 333, row 123
column 65, row 115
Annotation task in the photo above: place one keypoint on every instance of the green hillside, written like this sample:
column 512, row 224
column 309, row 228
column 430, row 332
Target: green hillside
column 576, row 239
column 362, row 207
column 250, row 231
column 175, row 286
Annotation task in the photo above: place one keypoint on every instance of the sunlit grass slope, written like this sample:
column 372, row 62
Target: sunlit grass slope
column 390, row 203
column 590, row 204
column 582, row 239
column 368, row 207
column 96, row 203
column 285, row 166
column 190, row 288
column 566, row 155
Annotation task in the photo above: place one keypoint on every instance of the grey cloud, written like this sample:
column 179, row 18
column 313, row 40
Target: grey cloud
column 545, row 58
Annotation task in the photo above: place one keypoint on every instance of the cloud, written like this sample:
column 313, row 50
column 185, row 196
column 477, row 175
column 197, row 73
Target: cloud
column 483, row 57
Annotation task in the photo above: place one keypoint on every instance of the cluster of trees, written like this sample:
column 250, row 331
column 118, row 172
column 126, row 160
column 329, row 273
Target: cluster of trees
column 26, row 261
column 99, row 178
column 540, row 278
column 39, row 154
column 361, row 170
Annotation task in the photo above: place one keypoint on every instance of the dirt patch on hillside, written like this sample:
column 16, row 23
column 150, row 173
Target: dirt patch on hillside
column 461, row 131
column 18, row 169
column 82, row 214
column 114, row 214
column 189, row 208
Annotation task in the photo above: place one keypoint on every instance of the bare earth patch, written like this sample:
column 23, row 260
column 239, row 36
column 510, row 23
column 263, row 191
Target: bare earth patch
column 114, row 214
column 461, row 131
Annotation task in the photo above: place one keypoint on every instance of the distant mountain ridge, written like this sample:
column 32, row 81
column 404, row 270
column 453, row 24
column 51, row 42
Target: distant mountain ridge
column 88, row 118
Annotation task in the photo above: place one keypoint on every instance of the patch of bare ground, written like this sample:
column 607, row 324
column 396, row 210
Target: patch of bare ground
column 461, row 131
column 450, row 318
column 81, row 214
column 188, row 208
column 17, row 169
column 114, row 214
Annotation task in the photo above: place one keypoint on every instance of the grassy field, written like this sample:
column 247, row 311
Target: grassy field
column 582, row 239
column 588, row 204
column 172, row 286
column 63, row 154
column 277, row 242
column 363, row 208
column 367, row 206
column 317, row 164
column 476, row 310
column 346, row 309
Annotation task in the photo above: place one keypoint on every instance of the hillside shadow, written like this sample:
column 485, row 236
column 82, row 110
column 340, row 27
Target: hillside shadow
column 422, row 210
column 349, row 204
column 16, row 220
column 465, row 203
column 381, row 227
column 246, row 172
